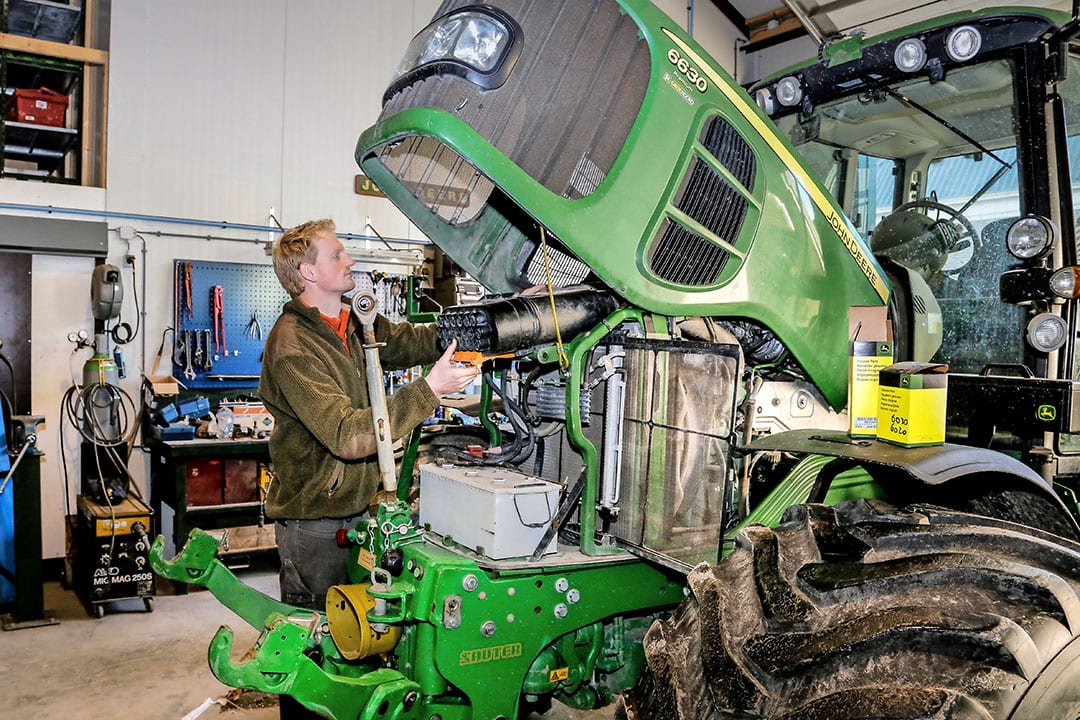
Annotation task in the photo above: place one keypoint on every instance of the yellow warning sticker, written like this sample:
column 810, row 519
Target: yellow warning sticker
column 559, row 674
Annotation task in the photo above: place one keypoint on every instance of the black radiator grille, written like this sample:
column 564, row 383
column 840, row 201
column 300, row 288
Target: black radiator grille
column 724, row 142
column 684, row 257
column 712, row 201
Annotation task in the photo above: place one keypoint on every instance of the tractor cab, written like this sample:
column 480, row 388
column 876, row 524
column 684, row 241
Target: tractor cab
column 954, row 150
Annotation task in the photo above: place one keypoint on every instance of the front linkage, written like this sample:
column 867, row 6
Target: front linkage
column 427, row 631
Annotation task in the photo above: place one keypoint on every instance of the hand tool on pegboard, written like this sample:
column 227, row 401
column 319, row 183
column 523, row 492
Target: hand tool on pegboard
column 183, row 290
column 254, row 328
column 189, row 372
column 208, row 364
column 218, row 294
column 178, row 348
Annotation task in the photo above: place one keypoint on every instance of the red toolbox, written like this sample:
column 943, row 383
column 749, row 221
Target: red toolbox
column 39, row 107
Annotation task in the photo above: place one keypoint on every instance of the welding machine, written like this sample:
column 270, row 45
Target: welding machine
column 111, row 553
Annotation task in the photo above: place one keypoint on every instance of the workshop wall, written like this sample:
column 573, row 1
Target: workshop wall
column 217, row 113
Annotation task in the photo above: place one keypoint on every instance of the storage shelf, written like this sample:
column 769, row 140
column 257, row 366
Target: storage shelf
column 221, row 509
column 43, row 144
column 35, row 71
column 43, row 19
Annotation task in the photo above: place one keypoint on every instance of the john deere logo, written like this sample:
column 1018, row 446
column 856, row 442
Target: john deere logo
column 1046, row 412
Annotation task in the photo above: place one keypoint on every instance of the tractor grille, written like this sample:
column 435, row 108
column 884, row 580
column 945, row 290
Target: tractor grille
column 684, row 256
column 727, row 146
column 713, row 201
column 566, row 109
column 440, row 178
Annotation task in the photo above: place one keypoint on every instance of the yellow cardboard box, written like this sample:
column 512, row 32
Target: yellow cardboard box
column 911, row 403
column 871, row 351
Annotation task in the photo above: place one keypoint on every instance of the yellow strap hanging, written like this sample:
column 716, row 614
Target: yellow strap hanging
column 564, row 362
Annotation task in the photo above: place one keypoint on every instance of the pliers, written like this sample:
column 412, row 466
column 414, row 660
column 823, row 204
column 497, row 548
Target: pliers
column 254, row 328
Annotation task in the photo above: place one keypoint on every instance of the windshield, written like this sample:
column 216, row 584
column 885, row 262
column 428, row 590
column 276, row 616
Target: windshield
column 927, row 172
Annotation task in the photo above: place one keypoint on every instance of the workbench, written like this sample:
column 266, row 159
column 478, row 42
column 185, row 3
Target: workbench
column 178, row 472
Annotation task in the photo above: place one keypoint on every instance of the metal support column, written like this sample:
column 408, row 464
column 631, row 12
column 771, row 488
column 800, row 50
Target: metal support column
column 24, row 480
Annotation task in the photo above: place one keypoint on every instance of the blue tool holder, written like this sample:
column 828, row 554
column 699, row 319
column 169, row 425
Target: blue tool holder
column 246, row 289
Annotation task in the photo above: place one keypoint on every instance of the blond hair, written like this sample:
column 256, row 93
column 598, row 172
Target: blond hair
column 296, row 246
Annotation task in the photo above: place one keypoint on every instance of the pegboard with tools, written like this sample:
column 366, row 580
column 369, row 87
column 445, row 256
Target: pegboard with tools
column 223, row 311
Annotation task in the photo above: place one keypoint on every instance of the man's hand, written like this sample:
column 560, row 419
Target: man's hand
column 447, row 376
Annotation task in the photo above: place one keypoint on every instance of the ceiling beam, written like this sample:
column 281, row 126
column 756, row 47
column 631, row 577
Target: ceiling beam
column 733, row 16
column 771, row 28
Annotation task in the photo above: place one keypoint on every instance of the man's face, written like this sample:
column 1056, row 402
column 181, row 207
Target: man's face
column 333, row 266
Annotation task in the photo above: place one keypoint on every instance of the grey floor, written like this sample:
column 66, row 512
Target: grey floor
column 138, row 665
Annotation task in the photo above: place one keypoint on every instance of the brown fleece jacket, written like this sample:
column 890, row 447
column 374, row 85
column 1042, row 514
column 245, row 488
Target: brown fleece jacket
column 323, row 443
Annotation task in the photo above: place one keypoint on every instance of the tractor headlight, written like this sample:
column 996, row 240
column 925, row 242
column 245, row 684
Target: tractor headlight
column 1047, row 332
column 910, row 55
column 1030, row 237
column 480, row 43
column 766, row 101
column 789, row 91
column 963, row 43
column 1065, row 282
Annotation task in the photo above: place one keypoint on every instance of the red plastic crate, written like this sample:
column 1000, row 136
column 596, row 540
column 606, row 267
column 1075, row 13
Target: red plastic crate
column 39, row 107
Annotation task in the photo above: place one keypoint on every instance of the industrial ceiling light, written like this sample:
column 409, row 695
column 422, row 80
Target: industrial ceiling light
column 910, row 55
column 1030, row 237
column 1047, row 332
column 789, row 91
column 963, row 43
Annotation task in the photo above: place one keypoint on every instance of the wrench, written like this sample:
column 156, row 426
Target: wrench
column 189, row 372
column 208, row 364
column 178, row 349
column 198, row 349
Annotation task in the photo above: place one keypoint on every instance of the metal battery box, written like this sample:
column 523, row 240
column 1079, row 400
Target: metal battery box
column 497, row 512
column 111, row 553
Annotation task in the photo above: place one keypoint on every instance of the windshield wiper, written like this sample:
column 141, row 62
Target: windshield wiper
column 1005, row 166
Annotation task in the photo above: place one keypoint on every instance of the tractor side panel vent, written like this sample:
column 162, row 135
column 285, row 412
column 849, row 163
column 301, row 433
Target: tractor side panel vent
column 726, row 145
column 682, row 256
column 712, row 201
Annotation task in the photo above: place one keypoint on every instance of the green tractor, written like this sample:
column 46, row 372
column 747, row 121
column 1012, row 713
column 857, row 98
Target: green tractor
column 663, row 506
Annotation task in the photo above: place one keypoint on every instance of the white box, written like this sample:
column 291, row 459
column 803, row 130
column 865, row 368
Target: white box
column 497, row 512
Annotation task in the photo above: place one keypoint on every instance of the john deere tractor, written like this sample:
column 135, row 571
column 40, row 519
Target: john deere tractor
column 662, row 504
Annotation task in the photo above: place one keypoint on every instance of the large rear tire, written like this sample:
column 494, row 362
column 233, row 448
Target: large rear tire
column 865, row 611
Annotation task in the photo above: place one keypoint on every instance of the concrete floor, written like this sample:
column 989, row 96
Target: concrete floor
column 139, row 665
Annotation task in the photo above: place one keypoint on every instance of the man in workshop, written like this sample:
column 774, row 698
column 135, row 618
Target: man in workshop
column 323, row 445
